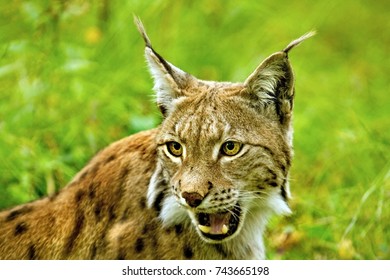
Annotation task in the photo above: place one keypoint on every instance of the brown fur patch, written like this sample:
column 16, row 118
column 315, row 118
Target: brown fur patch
column 109, row 159
column 178, row 229
column 77, row 229
column 18, row 213
column 142, row 203
column 158, row 202
column 20, row 228
column 188, row 252
column 32, row 254
column 79, row 196
column 98, row 210
column 139, row 245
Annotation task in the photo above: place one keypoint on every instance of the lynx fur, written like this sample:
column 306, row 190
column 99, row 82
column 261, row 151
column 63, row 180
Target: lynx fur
column 202, row 185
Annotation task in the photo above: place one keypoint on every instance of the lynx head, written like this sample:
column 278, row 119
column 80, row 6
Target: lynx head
column 224, row 149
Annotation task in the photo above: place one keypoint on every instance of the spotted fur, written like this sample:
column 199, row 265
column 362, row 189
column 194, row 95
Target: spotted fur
column 135, row 200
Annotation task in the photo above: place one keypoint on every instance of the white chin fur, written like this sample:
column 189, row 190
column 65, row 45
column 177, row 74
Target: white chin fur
column 278, row 205
column 172, row 213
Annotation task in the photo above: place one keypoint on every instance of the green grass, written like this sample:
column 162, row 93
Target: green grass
column 73, row 79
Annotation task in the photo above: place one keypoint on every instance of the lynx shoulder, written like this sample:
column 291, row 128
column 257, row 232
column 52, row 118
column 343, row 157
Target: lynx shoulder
column 200, row 186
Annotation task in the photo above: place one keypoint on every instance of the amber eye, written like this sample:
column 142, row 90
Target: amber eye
column 175, row 149
column 231, row 148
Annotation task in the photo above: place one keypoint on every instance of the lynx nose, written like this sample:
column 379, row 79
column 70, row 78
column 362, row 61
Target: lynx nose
column 193, row 199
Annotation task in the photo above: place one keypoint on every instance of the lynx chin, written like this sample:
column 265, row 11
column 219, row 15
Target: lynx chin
column 202, row 185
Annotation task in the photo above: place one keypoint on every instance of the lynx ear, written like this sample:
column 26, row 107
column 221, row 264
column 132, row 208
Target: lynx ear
column 273, row 82
column 169, row 81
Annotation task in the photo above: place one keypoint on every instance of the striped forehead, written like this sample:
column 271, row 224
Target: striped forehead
column 203, row 115
column 201, row 125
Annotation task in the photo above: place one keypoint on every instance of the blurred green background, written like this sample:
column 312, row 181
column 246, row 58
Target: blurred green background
column 73, row 79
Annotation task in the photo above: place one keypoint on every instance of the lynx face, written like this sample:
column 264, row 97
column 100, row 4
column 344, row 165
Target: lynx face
column 222, row 160
column 224, row 149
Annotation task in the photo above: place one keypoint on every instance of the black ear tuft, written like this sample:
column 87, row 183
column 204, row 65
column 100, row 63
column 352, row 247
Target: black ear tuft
column 273, row 82
column 296, row 42
column 168, row 79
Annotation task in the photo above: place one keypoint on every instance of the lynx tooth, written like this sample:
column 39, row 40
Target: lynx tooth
column 204, row 229
column 207, row 229
column 225, row 229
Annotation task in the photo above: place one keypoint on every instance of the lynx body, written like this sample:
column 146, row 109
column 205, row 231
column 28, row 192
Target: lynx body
column 200, row 186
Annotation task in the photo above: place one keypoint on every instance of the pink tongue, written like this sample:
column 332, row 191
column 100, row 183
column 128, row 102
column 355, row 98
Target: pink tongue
column 217, row 221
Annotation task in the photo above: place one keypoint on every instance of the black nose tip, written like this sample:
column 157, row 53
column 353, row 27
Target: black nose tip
column 193, row 199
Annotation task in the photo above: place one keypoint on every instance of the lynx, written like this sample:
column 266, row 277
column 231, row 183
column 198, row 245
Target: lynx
column 200, row 186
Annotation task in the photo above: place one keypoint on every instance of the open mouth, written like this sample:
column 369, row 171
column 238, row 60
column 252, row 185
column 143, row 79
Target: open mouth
column 218, row 226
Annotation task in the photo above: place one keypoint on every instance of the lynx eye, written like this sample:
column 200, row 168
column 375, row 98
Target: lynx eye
column 231, row 148
column 175, row 149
